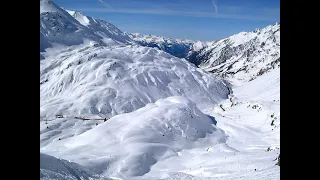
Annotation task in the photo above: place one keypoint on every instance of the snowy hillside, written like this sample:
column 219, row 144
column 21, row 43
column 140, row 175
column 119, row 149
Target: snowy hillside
column 130, row 144
column 95, row 79
column 54, row 168
column 175, row 47
column 58, row 27
column 172, row 139
column 106, row 81
column 239, row 58
column 243, row 56
column 102, row 28
column 113, row 109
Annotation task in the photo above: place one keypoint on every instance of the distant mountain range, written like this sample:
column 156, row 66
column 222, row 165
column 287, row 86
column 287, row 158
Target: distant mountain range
column 242, row 57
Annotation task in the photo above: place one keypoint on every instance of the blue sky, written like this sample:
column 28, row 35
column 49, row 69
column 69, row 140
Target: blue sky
column 190, row 19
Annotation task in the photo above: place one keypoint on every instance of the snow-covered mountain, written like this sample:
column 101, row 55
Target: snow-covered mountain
column 107, row 81
column 86, row 80
column 101, row 27
column 175, row 47
column 58, row 27
column 110, row 109
column 243, row 56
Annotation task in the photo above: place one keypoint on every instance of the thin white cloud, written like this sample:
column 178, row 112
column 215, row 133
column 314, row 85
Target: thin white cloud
column 183, row 13
column 105, row 4
column 215, row 5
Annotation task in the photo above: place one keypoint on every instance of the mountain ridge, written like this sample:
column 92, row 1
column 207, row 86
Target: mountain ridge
column 175, row 47
column 114, row 109
column 115, row 72
column 243, row 56
column 68, row 28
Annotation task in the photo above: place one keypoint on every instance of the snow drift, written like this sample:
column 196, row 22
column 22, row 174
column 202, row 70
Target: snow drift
column 127, row 145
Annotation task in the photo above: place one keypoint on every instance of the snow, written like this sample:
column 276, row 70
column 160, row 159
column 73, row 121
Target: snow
column 198, row 45
column 101, row 28
column 57, row 26
column 111, row 80
column 54, row 168
column 241, row 57
column 112, row 109
column 175, row 47
column 49, row 6
column 84, row 20
column 92, row 78
column 129, row 144
column 267, row 87
column 262, row 34
column 226, row 144
column 157, row 39
column 249, row 135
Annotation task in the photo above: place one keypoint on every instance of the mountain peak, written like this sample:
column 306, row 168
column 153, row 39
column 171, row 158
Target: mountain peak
column 81, row 18
column 49, row 6
column 67, row 27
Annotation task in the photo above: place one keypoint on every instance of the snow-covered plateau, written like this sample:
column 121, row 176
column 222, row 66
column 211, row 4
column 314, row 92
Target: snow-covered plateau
column 111, row 108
